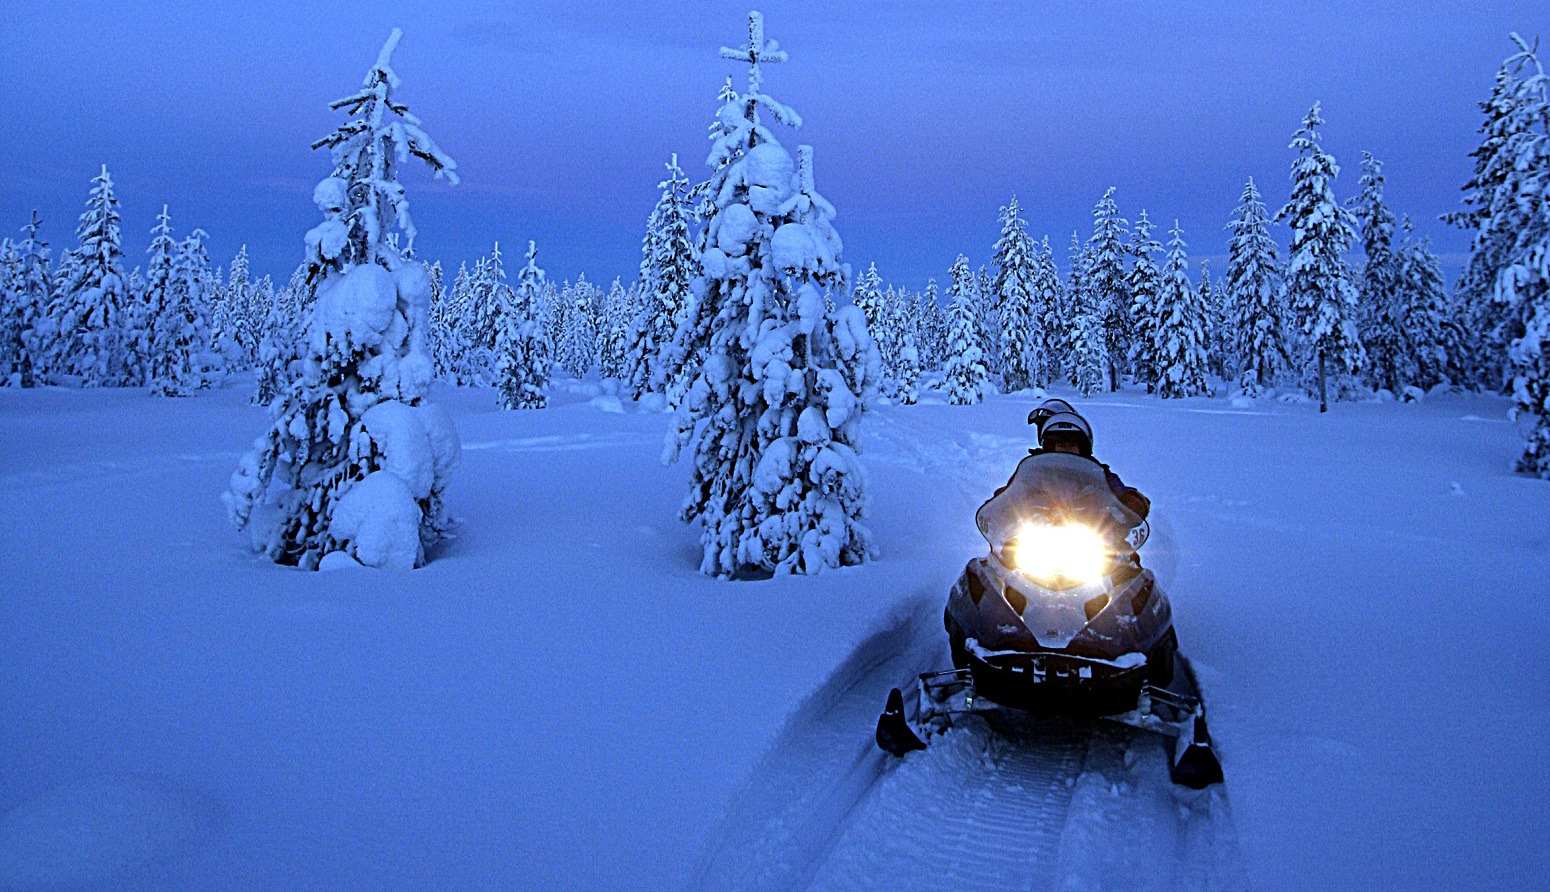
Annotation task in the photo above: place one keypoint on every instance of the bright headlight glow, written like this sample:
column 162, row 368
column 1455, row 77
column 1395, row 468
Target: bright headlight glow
column 1062, row 551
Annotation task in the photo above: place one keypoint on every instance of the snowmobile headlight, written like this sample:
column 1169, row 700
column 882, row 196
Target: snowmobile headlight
column 1065, row 553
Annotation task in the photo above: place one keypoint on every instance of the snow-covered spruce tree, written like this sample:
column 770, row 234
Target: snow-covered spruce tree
column 1318, row 281
column 281, row 346
column 1105, row 283
column 614, row 330
column 1431, row 333
column 1180, row 332
column 778, row 401
column 1088, row 364
column 174, row 333
column 1523, row 280
column 524, row 349
column 489, row 298
column 933, row 327
column 1257, row 324
column 1022, row 341
column 1390, row 361
column 87, row 311
column 239, row 336
column 13, row 350
column 965, row 377
column 576, row 350
column 355, row 461
column 1494, row 216
column 1217, row 346
column 909, row 372
column 667, row 271
column 1050, row 294
column 29, row 290
column 195, row 281
column 1142, row 286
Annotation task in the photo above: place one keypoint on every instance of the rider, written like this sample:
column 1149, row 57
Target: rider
column 1061, row 429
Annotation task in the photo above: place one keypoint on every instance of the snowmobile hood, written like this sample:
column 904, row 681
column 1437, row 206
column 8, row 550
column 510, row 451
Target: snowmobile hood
column 1055, row 487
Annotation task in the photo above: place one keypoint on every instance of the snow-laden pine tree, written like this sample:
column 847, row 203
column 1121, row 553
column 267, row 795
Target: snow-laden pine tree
column 281, row 346
column 87, row 312
column 238, row 338
column 1522, row 286
column 1022, row 339
column 524, row 349
column 1142, row 286
column 1258, row 320
column 667, row 271
column 195, row 282
column 1380, row 323
column 489, row 297
column 174, row 333
column 778, row 400
column 1180, row 333
column 614, row 329
column 1319, row 291
column 13, row 349
column 869, row 298
column 1432, row 334
column 355, row 460
column 1494, row 214
column 1087, row 365
column 1217, row 333
column 1104, row 279
column 933, row 327
column 909, row 372
column 965, row 376
column 29, row 289
column 576, row 350
column 1050, row 295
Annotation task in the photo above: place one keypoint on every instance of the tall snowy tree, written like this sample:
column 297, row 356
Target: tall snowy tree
column 1432, row 337
column 1050, row 296
column 1180, row 332
column 29, row 290
column 614, row 330
column 1390, row 362
column 1495, row 213
column 1087, row 365
column 355, row 462
column 1022, row 341
column 489, row 298
column 1218, row 335
column 238, row 338
column 1105, row 277
column 281, row 347
column 1254, row 294
column 87, row 313
column 524, row 349
column 775, row 410
column 1142, row 286
column 1318, row 281
column 195, row 284
column 933, row 326
column 1512, row 243
column 667, row 271
column 576, row 351
column 965, row 376
column 173, row 330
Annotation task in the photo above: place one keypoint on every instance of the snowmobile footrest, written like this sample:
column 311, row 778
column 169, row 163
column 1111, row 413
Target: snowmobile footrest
column 894, row 733
column 1197, row 766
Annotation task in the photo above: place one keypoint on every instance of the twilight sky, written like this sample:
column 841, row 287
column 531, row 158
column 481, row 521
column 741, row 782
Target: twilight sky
column 924, row 116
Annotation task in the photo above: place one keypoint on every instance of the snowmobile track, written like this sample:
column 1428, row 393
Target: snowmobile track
column 1028, row 804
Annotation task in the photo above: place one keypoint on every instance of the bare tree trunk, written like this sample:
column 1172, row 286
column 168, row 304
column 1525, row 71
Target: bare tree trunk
column 1323, row 395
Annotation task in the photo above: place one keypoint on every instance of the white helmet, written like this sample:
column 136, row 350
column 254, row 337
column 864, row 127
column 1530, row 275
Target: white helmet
column 1067, row 423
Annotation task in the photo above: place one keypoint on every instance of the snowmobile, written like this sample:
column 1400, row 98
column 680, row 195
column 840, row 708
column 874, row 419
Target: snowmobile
column 1061, row 618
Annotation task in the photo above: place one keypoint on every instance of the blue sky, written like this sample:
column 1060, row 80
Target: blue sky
column 925, row 117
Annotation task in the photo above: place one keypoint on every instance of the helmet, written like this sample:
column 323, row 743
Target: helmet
column 1047, row 408
column 1068, row 424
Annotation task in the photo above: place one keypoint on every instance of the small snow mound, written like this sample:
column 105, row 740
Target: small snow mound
column 1412, row 394
column 652, row 402
column 1242, row 402
column 379, row 522
column 93, row 834
column 339, row 560
column 607, row 403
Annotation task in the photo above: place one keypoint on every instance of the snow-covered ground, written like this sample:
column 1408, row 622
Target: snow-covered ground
column 559, row 700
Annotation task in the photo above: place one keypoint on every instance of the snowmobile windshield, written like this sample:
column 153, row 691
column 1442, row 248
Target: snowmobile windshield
column 1056, row 489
